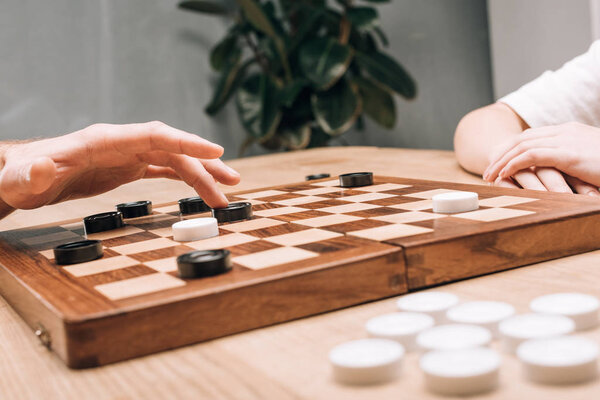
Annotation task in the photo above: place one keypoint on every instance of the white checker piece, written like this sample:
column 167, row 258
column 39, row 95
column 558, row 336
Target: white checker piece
column 454, row 337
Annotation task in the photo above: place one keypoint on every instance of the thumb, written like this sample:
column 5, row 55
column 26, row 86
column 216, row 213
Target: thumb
column 18, row 184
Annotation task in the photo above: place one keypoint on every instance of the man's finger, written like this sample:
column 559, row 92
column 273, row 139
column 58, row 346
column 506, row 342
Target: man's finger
column 582, row 187
column 221, row 172
column 528, row 180
column 153, row 172
column 157, row 136
column 553, row 180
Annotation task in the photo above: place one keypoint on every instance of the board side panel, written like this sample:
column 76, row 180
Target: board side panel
column 119, row 337
column 467, row 257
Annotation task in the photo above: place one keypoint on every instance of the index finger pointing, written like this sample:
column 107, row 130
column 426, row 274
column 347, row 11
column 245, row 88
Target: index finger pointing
column 157, row 136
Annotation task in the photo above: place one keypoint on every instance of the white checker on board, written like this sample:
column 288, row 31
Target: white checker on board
column 349, row 208
column 50, row 237
column 493, row 214
column 455, row 202
column 408, row 217
column 505, row 201
column 327, row 220
column 454, row 337
column 168, row 264
column 272, row 212
column 581, row 308
column 147, row 245
column 251, row 225
column 383, row 187
column 114, row 233
column 428, row 194
column 414, row 205
column 366, row 361
column 392, row 231
column 139, row 285
column 219, row 242
column 100, row 265
column 273, row 257
column 302, row 237
column 261, row 194
column 299, row 200
column 359, row 198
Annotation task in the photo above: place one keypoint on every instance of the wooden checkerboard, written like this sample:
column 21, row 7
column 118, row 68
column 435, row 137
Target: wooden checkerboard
column 311, row 247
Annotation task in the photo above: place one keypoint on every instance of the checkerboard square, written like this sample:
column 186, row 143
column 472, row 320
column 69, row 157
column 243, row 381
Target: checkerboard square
column 100, row 265
column 65, row 235
column 384, row 187
column 327, row 220
column 414, row 205
column 140, row 285
column 300, row 200
column 493, row 214
column 167, row 209
column 168, row 264
column 302, row 237
column 258, row 195
column 392, row 231
column 274, row 257
column 251, row 225
column 408, row 217
column 271, row 212
column 221, row 242
column 125, row 231
column 317, row 191
column 505, row 201
column 348, row 208
column 367, row 197
column 145, row 246
column 428, row 194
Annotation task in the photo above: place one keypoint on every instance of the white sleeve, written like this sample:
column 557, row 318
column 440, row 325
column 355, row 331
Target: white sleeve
column 571, row 93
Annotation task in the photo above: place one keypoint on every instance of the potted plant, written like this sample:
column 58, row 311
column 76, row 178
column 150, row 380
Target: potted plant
column 303, row 71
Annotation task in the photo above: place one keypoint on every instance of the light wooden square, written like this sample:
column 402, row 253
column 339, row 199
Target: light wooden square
column 428, row 194
column 302, row 237
column 493, row 214
column 163, row 232
column 383, row 187
column 49, row 254
column 414, row 205
column 327, row 220
column 505, row 201
column 408, row 217
column 167, row 209
column 100, row 265
column 146, row 245
column 349, row 208
column 138, row 286
column 273, row 257
column 258, row 195
column 251, row 225
column 51, row 237
column 221, row 242
column 74, row 226
column 321, row 190
column 271, row 212
column 333, row 182
column 300, row 200
column 390, row 232
column 126, row 230
column 168, row 264
column 367, row 197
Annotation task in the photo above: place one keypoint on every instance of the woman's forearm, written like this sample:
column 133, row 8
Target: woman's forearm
column 483, row 130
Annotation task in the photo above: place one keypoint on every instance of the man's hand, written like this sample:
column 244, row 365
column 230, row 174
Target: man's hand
column 102, row 157
column 534, row 158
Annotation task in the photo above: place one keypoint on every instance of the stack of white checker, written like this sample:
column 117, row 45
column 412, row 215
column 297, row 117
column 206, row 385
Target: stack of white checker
column 454, row 339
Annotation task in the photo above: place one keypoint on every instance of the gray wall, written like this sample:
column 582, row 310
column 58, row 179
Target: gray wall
column 66, row 64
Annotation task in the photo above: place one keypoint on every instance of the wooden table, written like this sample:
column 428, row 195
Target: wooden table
column 287, row 361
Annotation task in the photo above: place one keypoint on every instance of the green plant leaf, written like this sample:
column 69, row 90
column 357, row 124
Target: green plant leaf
column 363, row 18
column 228, row 82
column 376, row 1
column 225, row 52
column 295, row 138
column 378, row 103
column 258, row 106
column 336, row 109
column 323, row 61
column 382, row 36
column 385, row 70
column 207, row 7
column 318, row 138
column 288, row 95
column 306, row 26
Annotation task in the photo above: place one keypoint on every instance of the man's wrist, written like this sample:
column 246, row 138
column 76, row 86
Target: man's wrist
column 5, row 209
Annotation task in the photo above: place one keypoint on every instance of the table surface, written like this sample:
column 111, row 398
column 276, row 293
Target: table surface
column 289, row 360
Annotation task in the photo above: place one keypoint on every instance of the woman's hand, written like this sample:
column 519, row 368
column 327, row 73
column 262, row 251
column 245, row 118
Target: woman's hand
column 102, row 157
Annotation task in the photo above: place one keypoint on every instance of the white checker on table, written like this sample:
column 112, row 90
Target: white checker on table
column 321, row 190
column 493, row 214
column 390, row 232
column 408, row 217
column 383, row 187
column 261, row 194
column 454, row 337
column 273, row 257
column 402, row 327
column 327, row 220
column 518, row 328
column 333, row 182
column 505, row 201
column 51, row 237
column 581, row 308
column 114, row 233
column 168, row 264
column 223, row 241
column 359, row 198
column 139, row 285
column 302, row 237
column 144, row 246
column 272, row 212
column 414, row 205
column 101, row 265
column 349, row 208
column 487, row 314
column 428, row 194
column 251, row 225
column 299, row 200
column 434, row 303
